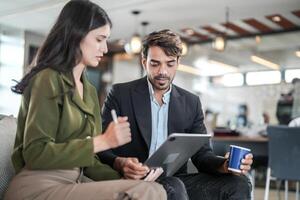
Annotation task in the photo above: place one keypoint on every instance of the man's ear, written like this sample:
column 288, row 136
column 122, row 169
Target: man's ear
column 144, row 62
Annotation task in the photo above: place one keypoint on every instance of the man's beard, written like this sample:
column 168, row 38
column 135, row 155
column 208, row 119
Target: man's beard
column 162, row 86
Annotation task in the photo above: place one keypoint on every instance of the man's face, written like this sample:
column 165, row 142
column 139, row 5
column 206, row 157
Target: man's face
column 160, row 68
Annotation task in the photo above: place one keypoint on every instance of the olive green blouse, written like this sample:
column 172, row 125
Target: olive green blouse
column 55, row 126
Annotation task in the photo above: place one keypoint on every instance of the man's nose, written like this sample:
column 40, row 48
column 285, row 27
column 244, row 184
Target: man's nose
column 163, row 70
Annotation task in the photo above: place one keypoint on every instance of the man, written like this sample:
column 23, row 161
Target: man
column 156, row 108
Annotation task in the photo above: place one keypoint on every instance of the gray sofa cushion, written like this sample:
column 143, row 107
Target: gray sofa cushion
column 8, row 126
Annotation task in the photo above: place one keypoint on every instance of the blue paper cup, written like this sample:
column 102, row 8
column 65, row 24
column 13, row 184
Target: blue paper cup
column 237, row 153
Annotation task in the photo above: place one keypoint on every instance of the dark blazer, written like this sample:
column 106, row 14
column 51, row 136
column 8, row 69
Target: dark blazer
column 132, row 99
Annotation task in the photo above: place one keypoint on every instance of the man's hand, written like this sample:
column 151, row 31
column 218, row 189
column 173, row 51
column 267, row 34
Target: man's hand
column 245, row 164
column 131, row 168
column 154, row 174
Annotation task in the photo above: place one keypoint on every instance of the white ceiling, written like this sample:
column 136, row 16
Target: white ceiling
column 279, row 49
column 38, row 16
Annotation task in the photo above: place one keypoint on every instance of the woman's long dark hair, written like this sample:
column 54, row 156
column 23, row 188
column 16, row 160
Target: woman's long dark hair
column 61, row 49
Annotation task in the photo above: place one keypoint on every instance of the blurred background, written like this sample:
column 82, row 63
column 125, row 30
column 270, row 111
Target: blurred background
column 240, row 56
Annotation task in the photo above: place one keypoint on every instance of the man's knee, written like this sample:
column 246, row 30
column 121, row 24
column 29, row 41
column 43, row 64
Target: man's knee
column 174, row 187
column 175, row 182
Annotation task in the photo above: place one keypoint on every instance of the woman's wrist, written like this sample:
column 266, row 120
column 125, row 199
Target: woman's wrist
column 100, row 143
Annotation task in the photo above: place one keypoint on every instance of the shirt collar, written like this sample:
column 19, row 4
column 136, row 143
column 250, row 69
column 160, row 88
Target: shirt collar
column 166, row 95
column 68, row 78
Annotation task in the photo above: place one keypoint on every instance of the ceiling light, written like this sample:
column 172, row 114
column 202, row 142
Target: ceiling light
column 135, row 44
column 276, row 18
column 219, row 43
column 265, row 62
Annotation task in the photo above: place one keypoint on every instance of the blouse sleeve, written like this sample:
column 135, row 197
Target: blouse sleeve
column 40, row 150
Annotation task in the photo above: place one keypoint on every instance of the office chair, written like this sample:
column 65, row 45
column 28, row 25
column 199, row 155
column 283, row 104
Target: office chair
column 284, row 157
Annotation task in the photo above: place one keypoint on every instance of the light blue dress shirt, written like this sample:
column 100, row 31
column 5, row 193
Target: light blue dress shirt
column 159, row 119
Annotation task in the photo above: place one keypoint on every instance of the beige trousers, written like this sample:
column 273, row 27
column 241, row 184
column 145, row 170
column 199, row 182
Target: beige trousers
column 69, row 185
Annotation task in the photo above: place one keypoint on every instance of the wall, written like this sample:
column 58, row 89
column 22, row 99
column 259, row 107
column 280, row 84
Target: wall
column 31, row 40
column 125, row 70
column 128, row 69
column 259, row 99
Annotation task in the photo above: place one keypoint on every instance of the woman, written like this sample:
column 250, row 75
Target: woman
column 59, row 125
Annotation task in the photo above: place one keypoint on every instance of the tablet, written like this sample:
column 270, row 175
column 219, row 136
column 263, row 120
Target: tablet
column 176, row 150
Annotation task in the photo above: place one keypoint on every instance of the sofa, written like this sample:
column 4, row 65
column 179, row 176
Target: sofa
column 8, row 126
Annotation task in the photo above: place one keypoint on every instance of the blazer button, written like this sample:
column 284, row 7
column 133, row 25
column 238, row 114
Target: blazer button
column 85, row 116
column 88, row 137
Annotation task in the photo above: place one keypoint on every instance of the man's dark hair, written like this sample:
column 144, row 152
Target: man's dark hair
column 167, row 40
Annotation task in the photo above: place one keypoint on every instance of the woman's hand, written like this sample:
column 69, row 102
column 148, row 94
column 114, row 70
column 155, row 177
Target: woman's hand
column 116, row 134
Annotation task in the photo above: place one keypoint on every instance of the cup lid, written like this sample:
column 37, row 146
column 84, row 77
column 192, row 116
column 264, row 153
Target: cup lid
column 239, row 147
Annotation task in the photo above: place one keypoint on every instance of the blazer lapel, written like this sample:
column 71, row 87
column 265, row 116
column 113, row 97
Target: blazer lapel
column 142, row 109
column 176, row 111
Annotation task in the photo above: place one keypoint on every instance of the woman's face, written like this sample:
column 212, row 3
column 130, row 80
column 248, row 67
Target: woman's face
column 94, row 45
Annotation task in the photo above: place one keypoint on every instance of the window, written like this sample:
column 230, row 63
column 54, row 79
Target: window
column 263, row 77
column 234, row 79
column 290, row 74
column 11, row 67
